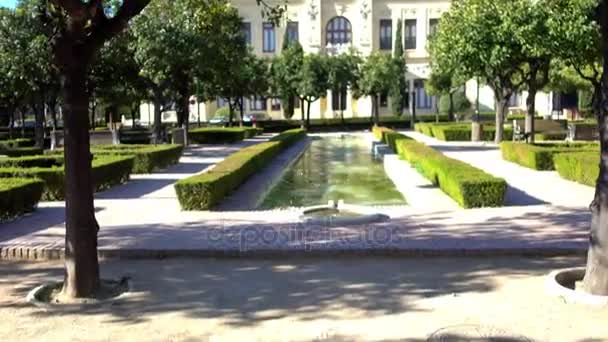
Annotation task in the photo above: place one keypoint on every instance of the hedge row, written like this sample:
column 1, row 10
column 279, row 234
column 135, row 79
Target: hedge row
column 459, row 131
column 18, row 196
column 222, row 135
column 581, row 167
column 107, row 172
column 388, row 136
column 147, row 158
column 540, row 156
column 202, row 192
column 550, row 136
column 468, row 186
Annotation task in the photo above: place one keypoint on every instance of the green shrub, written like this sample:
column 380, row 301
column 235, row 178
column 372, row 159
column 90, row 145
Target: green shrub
column 460, row 103
column 202, row 192
column 223, row 112
column 550, row 136
column 107, row 172
column 147, row 158
column 21, row 151
column 424, row 128
column 17, row 143
column 18, row 196
column 135, row 136
column 217, row 135
column 251, row 132
column 467, row 185
column 581, row 167
column 540, row 156
column 461, row 131
column 389, row 136
column 32, row 161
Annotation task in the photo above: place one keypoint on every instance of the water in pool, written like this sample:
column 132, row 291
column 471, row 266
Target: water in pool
column 334, row 168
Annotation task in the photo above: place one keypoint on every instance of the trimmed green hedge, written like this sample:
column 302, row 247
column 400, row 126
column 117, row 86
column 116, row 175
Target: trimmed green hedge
column 147, row 158
column 540, row 156
column 581, row 167
column 107, row 172
column 550, row 136
column 388, row 136
column 18, row 196
column 17, row 143
column 468, row 186
column 202, row 192
column 221, row 135
column 21, row 151
column 460, row 131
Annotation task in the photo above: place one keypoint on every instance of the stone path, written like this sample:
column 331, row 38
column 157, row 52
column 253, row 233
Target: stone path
column 143, row 219
column 526, row 186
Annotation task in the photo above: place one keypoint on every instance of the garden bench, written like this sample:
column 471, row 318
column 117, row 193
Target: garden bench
column 540, row 126
column 584, row 132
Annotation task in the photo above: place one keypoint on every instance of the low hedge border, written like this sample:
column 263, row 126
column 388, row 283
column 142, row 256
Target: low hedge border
column 468, row 186
column 147, row 158
column 388, row 136
column 202, row 192
column 19, row 196
column 581, row 167
column 107, row 172
column 222, row 135
column 540, row 156
column 460, row 131
column 550, row 136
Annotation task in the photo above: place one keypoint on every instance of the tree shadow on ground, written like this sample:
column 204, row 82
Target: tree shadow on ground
column 248, row 292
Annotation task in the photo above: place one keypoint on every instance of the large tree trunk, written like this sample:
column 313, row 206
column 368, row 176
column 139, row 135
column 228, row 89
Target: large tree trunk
column 157, row 118
column 52, row 103
column 308, row 103
column 39, row 123
column 501, row 107
column 82, row 266
column 596, row 275
column 11, row 121
column 530, row 113
column 451, row 107
column 22, row 117
column 303, row 117
column 242, row 111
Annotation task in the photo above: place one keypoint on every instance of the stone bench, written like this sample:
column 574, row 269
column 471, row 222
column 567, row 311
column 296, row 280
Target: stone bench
column 540, row 126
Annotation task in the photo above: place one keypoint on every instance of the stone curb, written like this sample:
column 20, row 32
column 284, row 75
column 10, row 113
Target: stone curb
column 27, row 254
column 569, row 295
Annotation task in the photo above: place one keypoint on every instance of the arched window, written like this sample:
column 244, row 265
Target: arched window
column 339, row 31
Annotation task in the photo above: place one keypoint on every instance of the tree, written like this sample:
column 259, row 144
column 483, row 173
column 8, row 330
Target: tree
column 343, row 72
column 12, row 88
column 532, row 31
column 476, row 39
column 377, row 74
column 442, row 82
column 285, row 74
column 399, row 89
column 313, row 81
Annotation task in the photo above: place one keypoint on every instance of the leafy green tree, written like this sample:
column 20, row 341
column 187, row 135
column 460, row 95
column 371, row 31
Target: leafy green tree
column 399, row 89
column 343, row 73
column 78, row 31
column 12, row 87
column 377, row 73
column 443, row 83
column 313, row 81
column 285, row 76
column 476, row 39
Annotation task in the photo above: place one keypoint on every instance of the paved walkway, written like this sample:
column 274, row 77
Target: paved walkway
column 526, row 186
column 337, row 299
column 143, row 219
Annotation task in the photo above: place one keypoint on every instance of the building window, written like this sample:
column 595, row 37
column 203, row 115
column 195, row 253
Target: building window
column 433, row 25
column 293, row 31
column 246, row 32
column 338, row 100
column 386, row 34
column 384, row 100
column 410, row 34
column 258, row 103
column 339, row 31
column 514, row 100
column 423, row 100
column 269, row 38
column 275, row 104
column 221, row 102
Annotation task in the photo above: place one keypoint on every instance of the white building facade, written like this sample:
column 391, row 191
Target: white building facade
column 334, row 26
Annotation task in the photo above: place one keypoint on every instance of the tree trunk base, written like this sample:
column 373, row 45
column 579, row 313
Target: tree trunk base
column 476, row 131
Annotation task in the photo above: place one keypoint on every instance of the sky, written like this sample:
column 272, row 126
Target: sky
column 7, row 3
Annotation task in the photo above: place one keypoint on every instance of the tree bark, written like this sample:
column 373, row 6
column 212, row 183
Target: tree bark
column 38, row 108
column 501, row 107
column 376, row 110
column 451, row 107
column 303, row 112
column 22, row 117
column 11, row 123
column 82, row 265
column 596, row 274
column 157, row 118
column 308, row 103
column 530, row 113
column 242, row 111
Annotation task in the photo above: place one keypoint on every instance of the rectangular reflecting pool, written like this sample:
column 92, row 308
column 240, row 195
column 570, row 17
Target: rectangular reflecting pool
column 334, row 168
